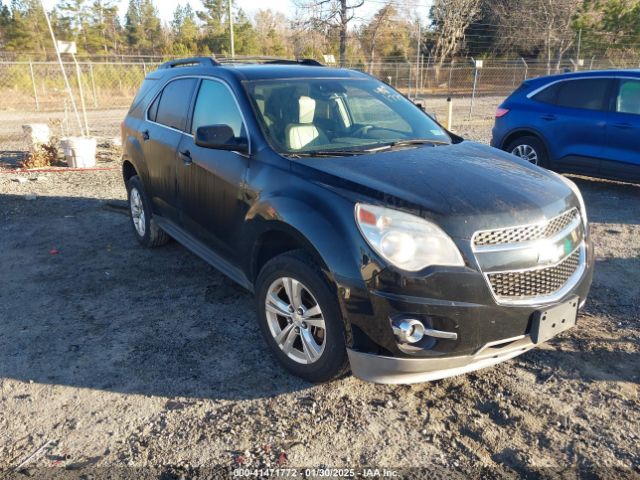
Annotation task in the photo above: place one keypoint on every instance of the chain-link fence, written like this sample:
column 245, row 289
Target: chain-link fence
column 39, row 86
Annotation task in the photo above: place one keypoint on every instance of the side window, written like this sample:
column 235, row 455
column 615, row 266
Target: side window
column 216, row 106
column 153, row 109
column 588, row 94
column 628, row 100
column 549, row 94
column 173, row 107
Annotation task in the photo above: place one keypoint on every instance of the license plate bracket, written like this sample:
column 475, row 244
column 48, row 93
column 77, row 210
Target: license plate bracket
column 550, row 322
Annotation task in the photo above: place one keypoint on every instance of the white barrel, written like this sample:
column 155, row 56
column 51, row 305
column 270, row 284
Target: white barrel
column 79, row 152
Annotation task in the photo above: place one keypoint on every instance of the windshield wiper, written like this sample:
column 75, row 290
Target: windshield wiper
column 408, row 143
column 325, row 153
column 373, row 149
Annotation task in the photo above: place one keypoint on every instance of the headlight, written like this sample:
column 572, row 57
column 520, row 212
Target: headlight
column 576, row 191
column 406, row 241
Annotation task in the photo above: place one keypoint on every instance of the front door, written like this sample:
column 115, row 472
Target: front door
column 210, row 181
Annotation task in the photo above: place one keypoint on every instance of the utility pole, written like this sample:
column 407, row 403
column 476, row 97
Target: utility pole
column 233, row 50
column 418, row 56
column 579, row 45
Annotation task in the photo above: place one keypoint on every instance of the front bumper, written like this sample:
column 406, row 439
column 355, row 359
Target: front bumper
column 486, row 333
column 392, row 370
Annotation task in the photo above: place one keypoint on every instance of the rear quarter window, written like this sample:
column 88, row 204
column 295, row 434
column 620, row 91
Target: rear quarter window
column 548, row 95
column 147, row 86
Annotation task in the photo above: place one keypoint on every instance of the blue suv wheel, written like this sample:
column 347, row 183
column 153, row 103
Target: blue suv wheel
column 530, row 149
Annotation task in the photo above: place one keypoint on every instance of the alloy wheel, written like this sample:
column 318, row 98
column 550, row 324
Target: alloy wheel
column 137, row 211
column 295, row 320
column 526, row 152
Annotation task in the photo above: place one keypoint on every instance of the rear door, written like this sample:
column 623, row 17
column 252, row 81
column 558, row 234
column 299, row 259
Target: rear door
column 211, row 181
column 575, row 122
column 623, row 132
column 164, row 126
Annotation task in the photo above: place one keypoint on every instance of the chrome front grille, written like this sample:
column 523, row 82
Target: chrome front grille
column 532, row 263
column 532, row 283
column 526, row 233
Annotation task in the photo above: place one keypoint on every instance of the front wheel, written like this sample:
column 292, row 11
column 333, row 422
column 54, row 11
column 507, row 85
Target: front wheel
column 531, row 149
column 299, row 317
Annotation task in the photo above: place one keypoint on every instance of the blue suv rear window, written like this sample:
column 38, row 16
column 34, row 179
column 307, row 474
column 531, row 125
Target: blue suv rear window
column 549, row 94
column 587, row 94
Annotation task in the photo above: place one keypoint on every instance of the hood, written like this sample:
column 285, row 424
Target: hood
column 463, row 187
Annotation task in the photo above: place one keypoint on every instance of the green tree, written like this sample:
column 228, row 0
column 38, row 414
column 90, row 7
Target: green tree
column 27, row 31
column 243, row 34
column 104, row 32
column 143, row 28
column 610, row 28
column 153, row 36
column 74, row 17
column 215, row 26
column 184, row 30
column 5, row 22
column 215, row 19
column 132, row 25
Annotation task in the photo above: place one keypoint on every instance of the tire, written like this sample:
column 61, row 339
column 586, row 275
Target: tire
column 326, row 358
column 144, row 226
column 533, row 146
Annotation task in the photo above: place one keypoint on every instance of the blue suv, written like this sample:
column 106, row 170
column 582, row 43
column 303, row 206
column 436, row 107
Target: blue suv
column 583, row 122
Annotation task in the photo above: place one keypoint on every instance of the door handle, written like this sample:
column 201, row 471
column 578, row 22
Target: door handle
column 145, row 135
column 624, row 126
column 186, row 157
column 548, row 117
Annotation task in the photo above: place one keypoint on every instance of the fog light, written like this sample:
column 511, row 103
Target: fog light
column 408, row 330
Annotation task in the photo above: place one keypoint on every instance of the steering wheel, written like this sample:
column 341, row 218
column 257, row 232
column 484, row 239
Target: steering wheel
column 360, row 132
column 366, row 129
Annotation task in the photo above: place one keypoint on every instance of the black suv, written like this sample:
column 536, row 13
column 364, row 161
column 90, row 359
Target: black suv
column 372, row 237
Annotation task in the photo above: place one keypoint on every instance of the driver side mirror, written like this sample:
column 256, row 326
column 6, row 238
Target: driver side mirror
column 220, row 137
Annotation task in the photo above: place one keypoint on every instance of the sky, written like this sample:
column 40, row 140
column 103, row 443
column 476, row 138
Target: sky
column 167, row 7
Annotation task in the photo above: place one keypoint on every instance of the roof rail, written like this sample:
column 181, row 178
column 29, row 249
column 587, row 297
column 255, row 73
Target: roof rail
column 299, row 61
column 191, row 61
column 215, row 62
column 269, row 60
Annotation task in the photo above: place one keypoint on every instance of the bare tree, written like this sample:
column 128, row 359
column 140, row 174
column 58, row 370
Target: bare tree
column 328, row 14
column 451, row 18
column 538, row 26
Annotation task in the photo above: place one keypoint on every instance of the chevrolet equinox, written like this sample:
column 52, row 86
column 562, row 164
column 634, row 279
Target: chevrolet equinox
column 373, row 239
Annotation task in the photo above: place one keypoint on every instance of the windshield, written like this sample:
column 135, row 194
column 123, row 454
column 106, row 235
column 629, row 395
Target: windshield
column 325, row 115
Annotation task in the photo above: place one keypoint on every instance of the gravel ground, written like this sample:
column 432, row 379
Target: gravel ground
column 116, row 357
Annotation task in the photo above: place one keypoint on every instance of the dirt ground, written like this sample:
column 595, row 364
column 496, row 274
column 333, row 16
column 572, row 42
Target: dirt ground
column 116, row 359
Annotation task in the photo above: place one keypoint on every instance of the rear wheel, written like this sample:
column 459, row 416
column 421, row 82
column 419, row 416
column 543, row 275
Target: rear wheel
column 145, row 228
column 299, row 317
column 531, row 149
